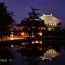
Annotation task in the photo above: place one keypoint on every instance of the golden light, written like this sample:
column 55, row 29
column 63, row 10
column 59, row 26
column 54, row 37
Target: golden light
column 22, row 33
column 12, row 38
column 36, row 41
column 33, row 36
column 11, row 34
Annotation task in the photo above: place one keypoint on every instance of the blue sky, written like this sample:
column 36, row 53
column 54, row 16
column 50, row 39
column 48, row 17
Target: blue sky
column 22, row 7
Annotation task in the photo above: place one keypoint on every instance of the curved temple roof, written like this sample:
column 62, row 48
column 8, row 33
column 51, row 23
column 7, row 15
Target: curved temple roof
column 50, row 19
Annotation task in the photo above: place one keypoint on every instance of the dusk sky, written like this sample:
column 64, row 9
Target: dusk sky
column 22, row 7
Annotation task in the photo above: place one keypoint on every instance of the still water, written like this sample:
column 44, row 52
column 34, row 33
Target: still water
column 34, row 53
column 50, row 57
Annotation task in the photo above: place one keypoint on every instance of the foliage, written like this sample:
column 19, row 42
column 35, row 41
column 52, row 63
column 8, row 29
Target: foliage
column 6, row 19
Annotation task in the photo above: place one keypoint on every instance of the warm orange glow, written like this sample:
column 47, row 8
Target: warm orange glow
column 23, row 43
column 40, row 42
column 11, row 34
column 40, row 34
column 36, row 41
column 41, row 49
column 33, row 42
column 42, row 28
column 22, row 33
column 23, row 26
column 33, row 27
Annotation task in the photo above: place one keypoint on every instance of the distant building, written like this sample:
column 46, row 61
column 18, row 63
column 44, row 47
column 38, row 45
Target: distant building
column 51, row 21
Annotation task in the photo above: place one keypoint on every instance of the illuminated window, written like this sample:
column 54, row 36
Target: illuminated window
column 22, row 33
column 51, row 24
column 54, row 24
column 41, row 28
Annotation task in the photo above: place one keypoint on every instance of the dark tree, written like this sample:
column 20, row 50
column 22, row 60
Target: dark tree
column 6, row 20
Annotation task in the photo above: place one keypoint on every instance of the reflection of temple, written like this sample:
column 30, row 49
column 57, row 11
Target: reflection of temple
column 49, row 54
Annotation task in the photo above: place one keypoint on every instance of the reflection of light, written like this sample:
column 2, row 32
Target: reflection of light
column 42, row 57
column 32, row 35
column 37, row 41
column 33, row 42
column 49, row 54
column 24, row 47
column 10, row 60
column 12, row 46
column 23, row 43
column 21, row 47
column 33, row 27
column 40, row 41
column 40, row 33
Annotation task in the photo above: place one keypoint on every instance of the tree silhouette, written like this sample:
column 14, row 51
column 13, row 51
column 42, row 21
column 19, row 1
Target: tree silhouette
column 6, row 20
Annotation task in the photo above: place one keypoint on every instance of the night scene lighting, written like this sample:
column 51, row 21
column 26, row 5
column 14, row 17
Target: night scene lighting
column 32, row 32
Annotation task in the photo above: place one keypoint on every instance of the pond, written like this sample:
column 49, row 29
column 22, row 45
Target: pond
column 35, row 52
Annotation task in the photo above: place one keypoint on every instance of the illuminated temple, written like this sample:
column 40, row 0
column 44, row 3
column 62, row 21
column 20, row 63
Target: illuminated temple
column 32, row 26
column 51, row 21
column 39, row 33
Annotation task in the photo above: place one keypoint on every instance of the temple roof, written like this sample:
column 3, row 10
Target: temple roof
column 35, row 23
column 50, row 19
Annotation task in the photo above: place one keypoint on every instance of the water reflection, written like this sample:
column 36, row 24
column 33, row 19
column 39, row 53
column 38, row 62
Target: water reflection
column 49, row 54
column 31, row 53
column 37, row 51
column 6, row 55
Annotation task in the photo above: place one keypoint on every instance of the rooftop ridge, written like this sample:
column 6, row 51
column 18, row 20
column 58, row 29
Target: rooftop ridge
column 47, row 15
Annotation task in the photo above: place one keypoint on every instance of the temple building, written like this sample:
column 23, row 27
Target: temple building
column 51, row 21
column 32, row 26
